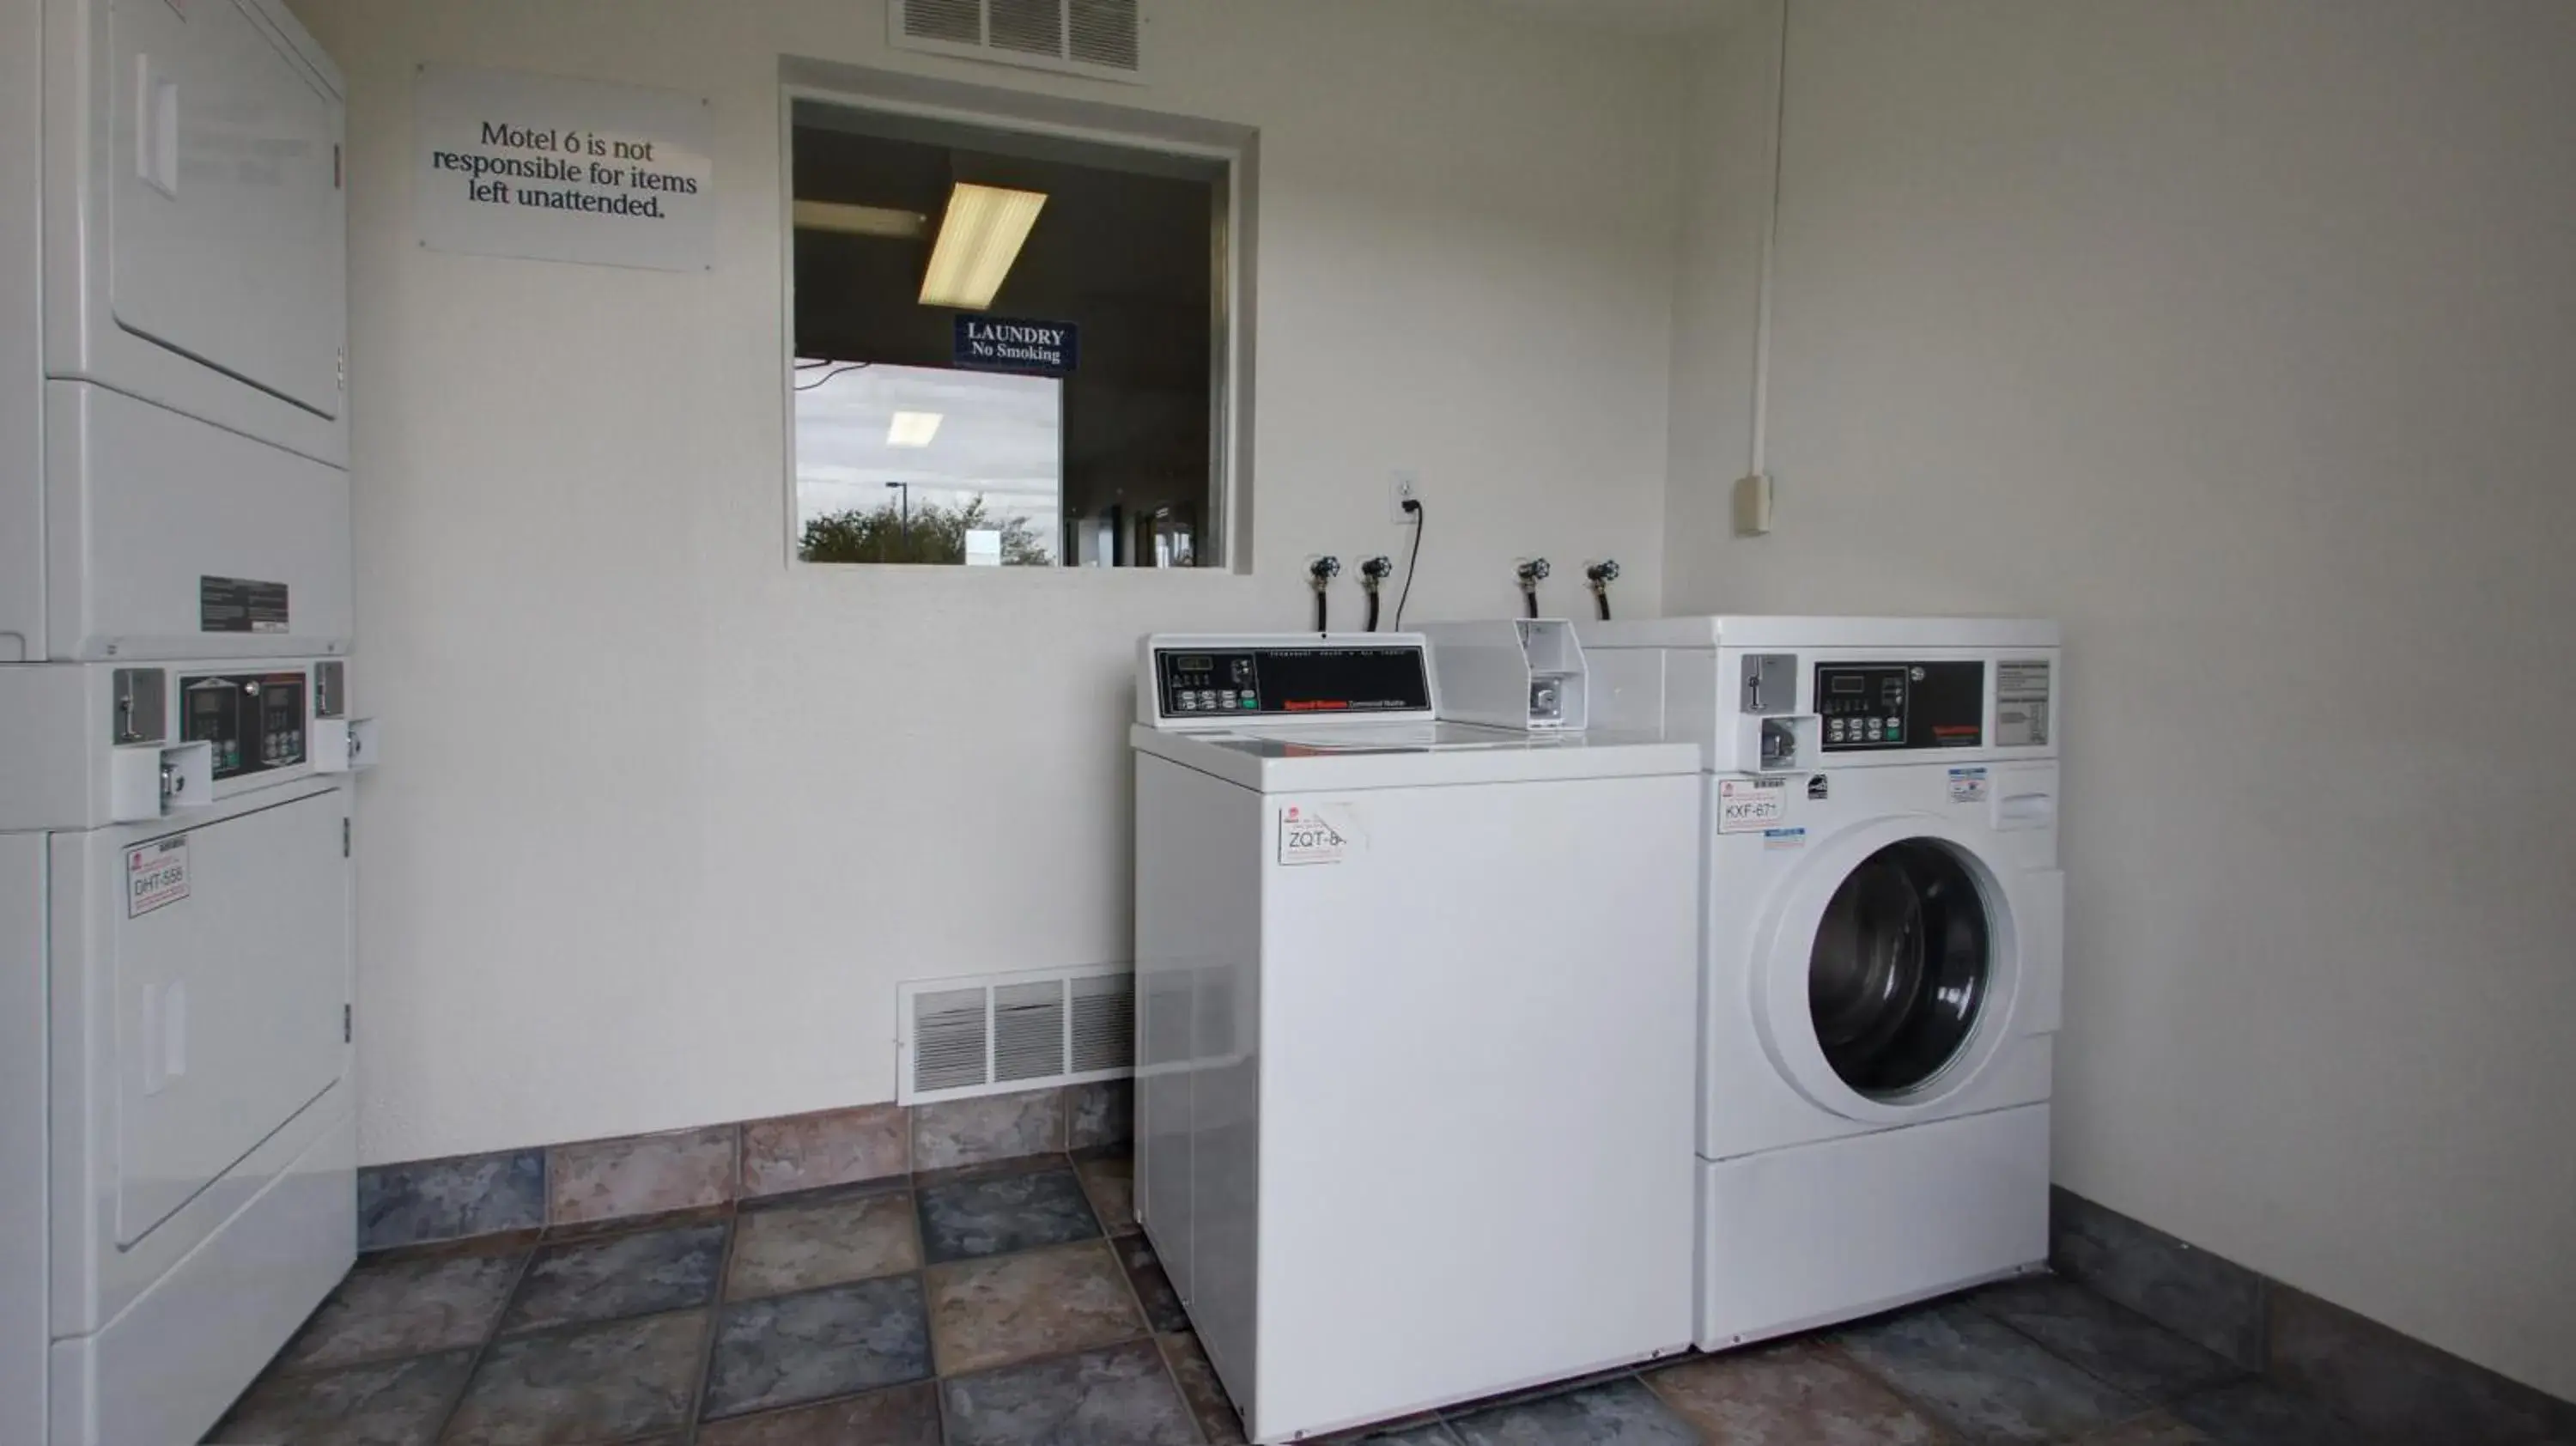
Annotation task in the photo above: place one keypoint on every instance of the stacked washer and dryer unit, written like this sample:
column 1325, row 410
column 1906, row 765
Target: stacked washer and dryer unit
column 1883, row 921
column 177, row 1131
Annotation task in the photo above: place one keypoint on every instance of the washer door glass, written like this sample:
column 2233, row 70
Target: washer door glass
column 1899, row 969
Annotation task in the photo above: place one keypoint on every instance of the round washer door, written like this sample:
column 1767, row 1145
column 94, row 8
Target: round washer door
column 1887, row 970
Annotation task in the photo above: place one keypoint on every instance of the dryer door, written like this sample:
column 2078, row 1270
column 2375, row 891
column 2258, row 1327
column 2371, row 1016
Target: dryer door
column 231, row 968
column 1889, row 969
column 227, row 232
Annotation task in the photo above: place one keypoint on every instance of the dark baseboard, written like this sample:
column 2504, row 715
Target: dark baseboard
column 2373, row 1375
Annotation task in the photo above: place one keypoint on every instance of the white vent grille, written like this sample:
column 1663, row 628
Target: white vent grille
column 1003, row 1032
column 959, row 22
column 1102, row 39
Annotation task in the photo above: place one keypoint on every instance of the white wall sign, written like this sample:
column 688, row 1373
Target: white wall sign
column 511, row 164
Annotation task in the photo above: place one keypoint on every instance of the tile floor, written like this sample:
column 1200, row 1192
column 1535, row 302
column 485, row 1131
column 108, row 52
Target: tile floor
column 990, row 1307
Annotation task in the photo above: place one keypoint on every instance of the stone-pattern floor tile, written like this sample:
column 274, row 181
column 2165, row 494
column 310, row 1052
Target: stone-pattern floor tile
column 1163, row 1313
column 638, row 1224
column 1201, row 1389
column 1985, row 1379
column 834, row 1147
column 1110, row 1181
column 801, row 1247
column 1100, row 1113
column 1009, row 1308
column 385, row 1309
column 848, row 1288
column 790, row 1349
column 2156, row 1428
column 995, row 1214
column 2111, row 1342
column 640, row 1174
column 1410, row 1431
column 424, row 1200
column 1121, row 1396
column 995, row 1127
column 597, row 1383
column 897, row 1416
column 618, row 1275
column 391, row 1403
column 1616, row 1413
column 1800, row 1394
column 2259, row 1413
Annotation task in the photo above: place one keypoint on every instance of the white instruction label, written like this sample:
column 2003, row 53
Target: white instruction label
column 1775, row 839
column 155, row 875
column 1967, row 785
column 1750, row 805
column 1308, row 835
column 2021, row 705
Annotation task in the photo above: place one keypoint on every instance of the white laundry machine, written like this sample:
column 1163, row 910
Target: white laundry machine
column 1415, row 1031
column 1884, row 935
column 177, row 1117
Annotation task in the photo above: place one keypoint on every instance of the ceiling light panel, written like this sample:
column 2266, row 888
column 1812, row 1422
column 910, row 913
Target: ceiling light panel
column 978, row 240
column 913, row 429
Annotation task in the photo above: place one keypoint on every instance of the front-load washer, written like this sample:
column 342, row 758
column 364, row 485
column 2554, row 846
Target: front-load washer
column 1415, row 1031
column 1883, row 933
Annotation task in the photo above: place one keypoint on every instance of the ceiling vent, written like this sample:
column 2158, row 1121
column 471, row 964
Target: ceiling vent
column 1101, row 39
column 1005, row 1032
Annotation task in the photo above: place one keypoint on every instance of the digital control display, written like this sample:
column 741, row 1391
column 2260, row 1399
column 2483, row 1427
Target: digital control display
column 1279, row 682
column 254, row 721
column 1881, row 706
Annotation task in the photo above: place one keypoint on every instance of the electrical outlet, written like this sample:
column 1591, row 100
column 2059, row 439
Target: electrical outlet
column 1402, row 487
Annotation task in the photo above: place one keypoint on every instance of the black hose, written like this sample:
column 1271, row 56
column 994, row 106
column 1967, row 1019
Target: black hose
column 1419, row 514
column 1323, row 611
column 1601, row 598
column 1372, row 610
column 1529, row 601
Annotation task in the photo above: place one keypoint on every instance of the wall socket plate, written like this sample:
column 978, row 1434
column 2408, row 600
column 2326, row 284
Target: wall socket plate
column 1403, row 485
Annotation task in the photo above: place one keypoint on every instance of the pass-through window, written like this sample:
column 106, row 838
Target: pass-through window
column 1011, row 349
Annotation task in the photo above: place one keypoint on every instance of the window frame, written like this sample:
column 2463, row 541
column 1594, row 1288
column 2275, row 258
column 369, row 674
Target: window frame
column 1233, row 147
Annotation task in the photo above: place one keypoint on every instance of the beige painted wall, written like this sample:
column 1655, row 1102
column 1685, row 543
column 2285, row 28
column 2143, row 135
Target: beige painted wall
column 2242, row 337
column 664, row 819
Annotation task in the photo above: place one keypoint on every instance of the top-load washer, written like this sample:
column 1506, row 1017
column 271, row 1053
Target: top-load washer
column 1414, row 1031
column 1884, row 949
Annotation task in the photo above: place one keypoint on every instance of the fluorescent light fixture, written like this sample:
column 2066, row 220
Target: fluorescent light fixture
column 861, row 220
column 913, row 429
column 978, row 241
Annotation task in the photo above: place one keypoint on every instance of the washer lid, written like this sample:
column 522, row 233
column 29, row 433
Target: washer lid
column 1369, row 738
column 1397, row 755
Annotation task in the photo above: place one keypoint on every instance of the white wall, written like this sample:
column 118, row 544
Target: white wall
column 665, row 818
column 2239, row 337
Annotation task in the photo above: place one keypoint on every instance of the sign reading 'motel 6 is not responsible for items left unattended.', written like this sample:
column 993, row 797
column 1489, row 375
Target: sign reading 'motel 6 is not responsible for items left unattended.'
column 537, row 166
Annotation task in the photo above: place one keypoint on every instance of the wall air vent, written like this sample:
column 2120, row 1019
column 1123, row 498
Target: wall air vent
column 1101, row 39
column 1003, row 1032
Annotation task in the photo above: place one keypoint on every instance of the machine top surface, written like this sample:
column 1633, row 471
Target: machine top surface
column 1400, row 755
column 1765, row 631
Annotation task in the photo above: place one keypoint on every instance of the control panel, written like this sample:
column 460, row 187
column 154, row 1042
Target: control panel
column 253, row 722
column 1890, row 706
column 1285, row 681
